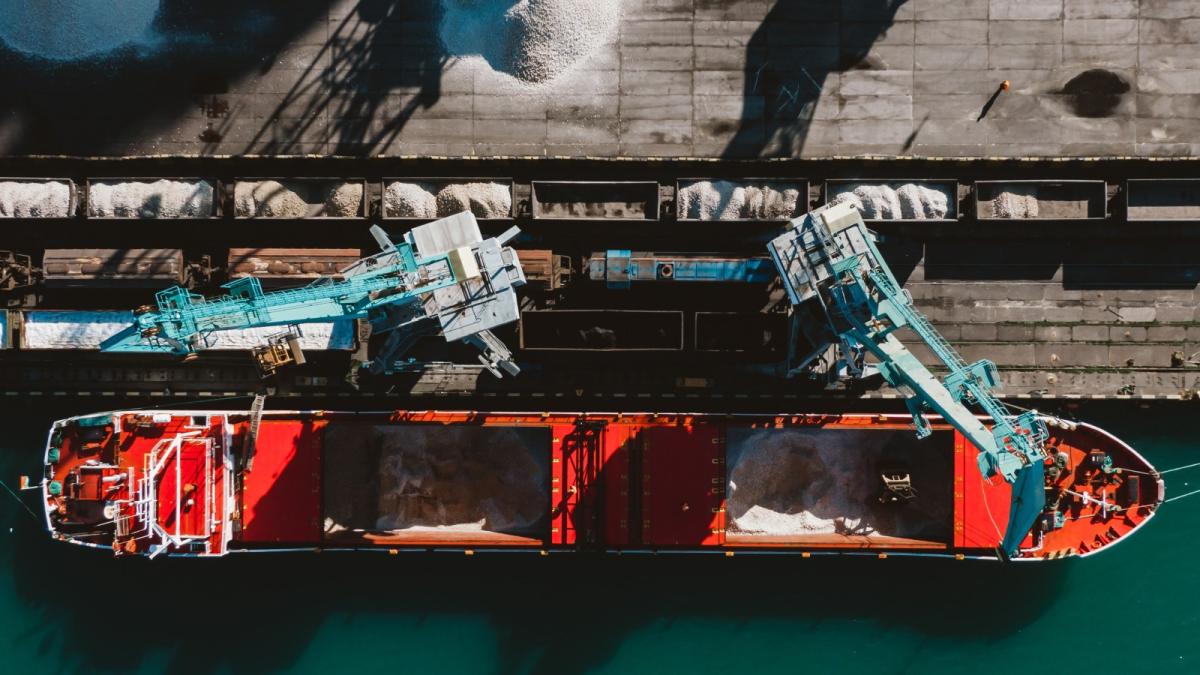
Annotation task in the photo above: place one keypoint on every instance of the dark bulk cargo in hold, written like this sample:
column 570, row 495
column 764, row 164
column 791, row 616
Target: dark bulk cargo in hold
column 429, row 484
column 751, row 333
column 602, row 200
column 1163, row 199
column 208, row 482
column 601, row 330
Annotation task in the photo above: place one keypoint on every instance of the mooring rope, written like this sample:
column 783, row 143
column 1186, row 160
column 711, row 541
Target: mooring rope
column 1177, row 497
column 1179, row 468
column 20, row 501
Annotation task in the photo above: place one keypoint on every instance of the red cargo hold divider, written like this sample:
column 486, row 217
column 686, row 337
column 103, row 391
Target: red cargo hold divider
column 281, row 496
column 589, row 484
column 683, row 485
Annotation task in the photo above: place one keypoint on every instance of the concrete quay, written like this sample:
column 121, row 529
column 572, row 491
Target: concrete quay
column 1052, row 341
column 677, row 78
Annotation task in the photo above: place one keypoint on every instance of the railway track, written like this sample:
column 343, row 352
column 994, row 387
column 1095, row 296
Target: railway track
column 584, row 314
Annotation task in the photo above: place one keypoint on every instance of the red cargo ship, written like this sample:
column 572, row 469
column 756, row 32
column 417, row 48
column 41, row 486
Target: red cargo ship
column 209, row 483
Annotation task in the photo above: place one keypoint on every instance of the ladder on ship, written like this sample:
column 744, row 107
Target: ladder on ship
column 256, row 413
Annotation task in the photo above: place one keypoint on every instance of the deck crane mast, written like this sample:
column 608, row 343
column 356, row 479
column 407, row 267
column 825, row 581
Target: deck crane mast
column 444, row 277
column 844, row 296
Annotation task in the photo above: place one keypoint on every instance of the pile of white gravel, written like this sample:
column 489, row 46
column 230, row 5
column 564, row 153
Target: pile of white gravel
column 910, row 201
column 344, row 201
column 409, row 200
column 64, row 30
column 157, row 199
column 426, row 200
column 267, row 199
column 799, row 482
column 301, row 199
column 727, row 200
column 30, row 199
column 1015, row 205
column 532, row 40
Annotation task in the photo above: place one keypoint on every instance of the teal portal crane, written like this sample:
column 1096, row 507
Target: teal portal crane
column 443, row 278
column 844, row 296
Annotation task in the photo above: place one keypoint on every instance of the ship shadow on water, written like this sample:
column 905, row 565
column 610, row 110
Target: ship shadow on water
column 254, row 613
column 251, row 613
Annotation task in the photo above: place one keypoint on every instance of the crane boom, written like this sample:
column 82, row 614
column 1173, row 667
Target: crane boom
column 445, row 277
column 844, row 295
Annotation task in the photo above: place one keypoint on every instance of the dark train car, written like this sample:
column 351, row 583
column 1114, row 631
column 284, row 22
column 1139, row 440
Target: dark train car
column 113, row 267
column 286, row 265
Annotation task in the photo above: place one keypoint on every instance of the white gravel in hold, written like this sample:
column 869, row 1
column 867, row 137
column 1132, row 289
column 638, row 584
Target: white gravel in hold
column 267, row 199
column 53, row 329
column 919, row 202
column 409, row 200
column 728, row 200
column 418, row 200
column 28, row 199
column 344, row 201
column 910, row 201
column 158, row 199
column 65, row 30
column 796, row 483
column 1015, row 205
column 533, row 41
column 485, row 200
column 458, row 480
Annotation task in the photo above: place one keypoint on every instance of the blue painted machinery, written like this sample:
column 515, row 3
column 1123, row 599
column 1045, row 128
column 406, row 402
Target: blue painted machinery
column 444, row 278
column 620, row 268
column 846, row 300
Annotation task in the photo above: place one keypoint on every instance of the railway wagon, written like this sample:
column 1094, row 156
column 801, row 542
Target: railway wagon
column 114, row 268
column 284, row 266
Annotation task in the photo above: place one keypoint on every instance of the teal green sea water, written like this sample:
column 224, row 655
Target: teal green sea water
column 1132, row 609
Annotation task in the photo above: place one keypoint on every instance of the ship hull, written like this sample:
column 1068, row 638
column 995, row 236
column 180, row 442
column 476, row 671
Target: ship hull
column 211, row 483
